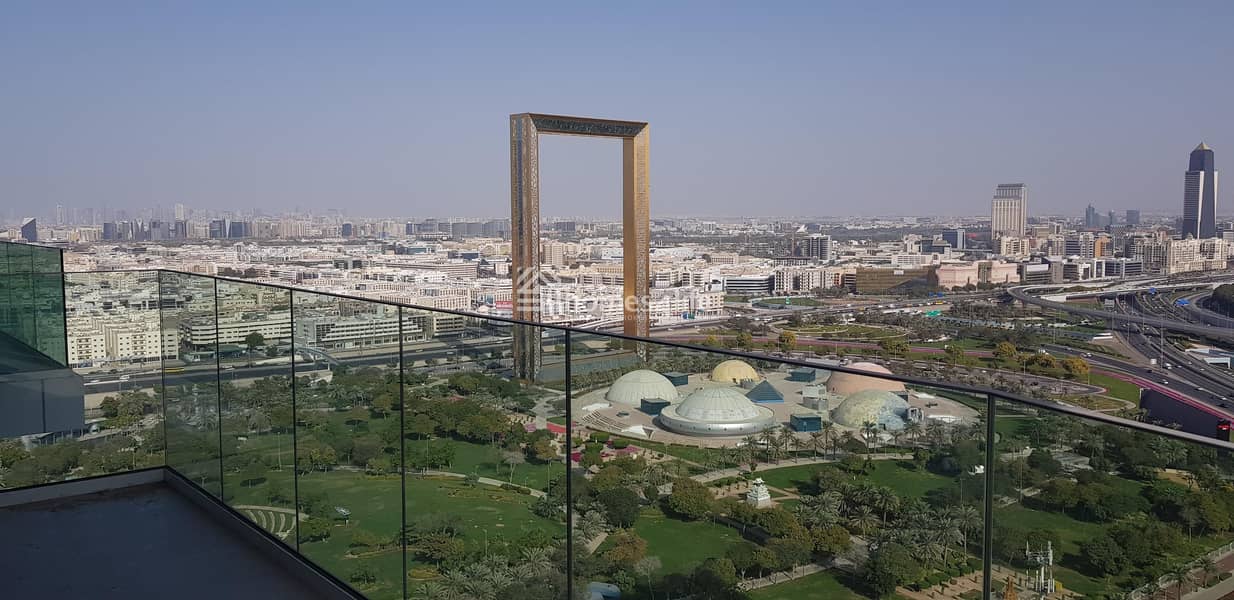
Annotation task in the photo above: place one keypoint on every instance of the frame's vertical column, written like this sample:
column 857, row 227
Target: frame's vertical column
column 525, row 242
column 158, row 278
column 636, row 233
column 987, row 517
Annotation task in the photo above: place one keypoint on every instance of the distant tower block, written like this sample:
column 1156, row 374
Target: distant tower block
column 758, row 496
column 525, row 130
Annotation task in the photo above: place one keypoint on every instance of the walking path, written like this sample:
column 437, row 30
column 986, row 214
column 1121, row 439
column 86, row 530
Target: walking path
column 780, row 577
column 739, row 471
column 534, row 493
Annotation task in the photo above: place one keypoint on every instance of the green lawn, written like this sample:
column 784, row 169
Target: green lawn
column 904, row 482
column 824, row 585
column 681, row 545
column 484, row 461
column 1117, row 387
column 375, row 503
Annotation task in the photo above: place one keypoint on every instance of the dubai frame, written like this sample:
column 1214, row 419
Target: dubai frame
column 525, row 131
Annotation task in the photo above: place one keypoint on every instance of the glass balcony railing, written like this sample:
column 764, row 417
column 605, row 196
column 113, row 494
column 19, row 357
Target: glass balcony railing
column 394, row 447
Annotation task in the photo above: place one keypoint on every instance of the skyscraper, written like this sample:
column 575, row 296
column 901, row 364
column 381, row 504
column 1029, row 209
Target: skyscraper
column 30, row 229
column 1133, row 217
column 1009, row 210
column 1091, row 219
column 1200, row 195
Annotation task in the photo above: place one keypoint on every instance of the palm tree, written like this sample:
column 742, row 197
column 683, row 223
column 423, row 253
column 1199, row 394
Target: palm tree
column 748, row 444
column 863, row 520
column 828, row 431
column 769, row 440
column 816, row 440
column 884, row 500
column 788, row 441
column 913, row 430
column 430, row 590
column 1207, row 567
column 869, row 431
column 968, row 518
column 1182, row 576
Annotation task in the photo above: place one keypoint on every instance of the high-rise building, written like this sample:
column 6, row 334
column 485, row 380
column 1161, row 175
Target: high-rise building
column 1009, row 210
column 60, row 215
column 955, row 237
column 1092, row 220
column 815, row 246
column 1200, row 195
column 30, row 229
column 1133, row 218
column 179, row 212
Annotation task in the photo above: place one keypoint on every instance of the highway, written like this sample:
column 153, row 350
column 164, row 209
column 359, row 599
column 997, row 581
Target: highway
column 1025, row 295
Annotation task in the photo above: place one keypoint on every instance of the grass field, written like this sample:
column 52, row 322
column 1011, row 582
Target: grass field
column 1117, row 388
column 904, row 482
column 681, row 545
column 824, row 585
column 484, row 461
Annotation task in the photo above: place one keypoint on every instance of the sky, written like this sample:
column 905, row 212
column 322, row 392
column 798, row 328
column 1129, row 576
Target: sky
column 760, row 109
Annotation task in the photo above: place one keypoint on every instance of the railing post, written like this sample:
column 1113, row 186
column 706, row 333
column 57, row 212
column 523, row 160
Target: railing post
column 987, row 541
column 218, row 387
column 569, row 475
column 295, row 449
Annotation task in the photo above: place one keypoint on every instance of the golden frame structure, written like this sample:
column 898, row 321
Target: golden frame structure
column 525, row 274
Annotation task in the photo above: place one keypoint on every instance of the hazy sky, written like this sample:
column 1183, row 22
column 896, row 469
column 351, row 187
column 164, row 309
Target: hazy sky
column 816, row 108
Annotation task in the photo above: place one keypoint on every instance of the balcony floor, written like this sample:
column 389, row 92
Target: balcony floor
column 139, row 542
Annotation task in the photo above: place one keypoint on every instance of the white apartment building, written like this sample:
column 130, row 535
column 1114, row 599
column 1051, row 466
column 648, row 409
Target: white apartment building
column 203, row 332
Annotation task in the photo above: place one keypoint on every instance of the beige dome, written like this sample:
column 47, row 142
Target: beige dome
column 733, row 371
column 634, row 387
column 847, row 384
column 885, row 409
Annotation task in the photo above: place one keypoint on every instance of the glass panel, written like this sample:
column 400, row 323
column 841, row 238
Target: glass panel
column 191, row 372
column 1100, row 510
column 21, row 322
column 485, row 484
column 347, row 439
column 49, row 316
column 746, row 472
column 255, row 380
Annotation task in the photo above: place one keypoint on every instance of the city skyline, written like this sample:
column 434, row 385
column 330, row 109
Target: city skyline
column 339, row 122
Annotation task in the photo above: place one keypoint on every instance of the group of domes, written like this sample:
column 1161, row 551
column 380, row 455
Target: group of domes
column 712, row 410
column 725, row 410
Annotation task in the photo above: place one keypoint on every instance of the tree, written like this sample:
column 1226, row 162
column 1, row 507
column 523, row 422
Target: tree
column 691, row 499
column 1005, row 351
column 890, row 566
column 254, row 340
column 791, row 552
column 955, row 354
column 314, row 529
column 512, row 458
column 362, row 575
column 831, row 541
column 1103, row 556
column 627, row 548
column 787, row 341
column 745, row 341
column 621, row 506
column 1075, row 367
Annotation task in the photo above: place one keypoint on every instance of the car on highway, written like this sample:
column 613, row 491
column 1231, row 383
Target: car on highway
column 1165, row 382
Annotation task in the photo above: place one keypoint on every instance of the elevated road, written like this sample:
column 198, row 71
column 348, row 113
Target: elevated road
column 1025, row 294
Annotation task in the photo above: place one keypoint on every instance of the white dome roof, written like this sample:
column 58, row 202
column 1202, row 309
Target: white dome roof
column 717, row 411
column 718, row 404
column 847, row 384
column 880, row 407
column 733, row 371
column 634, row 387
